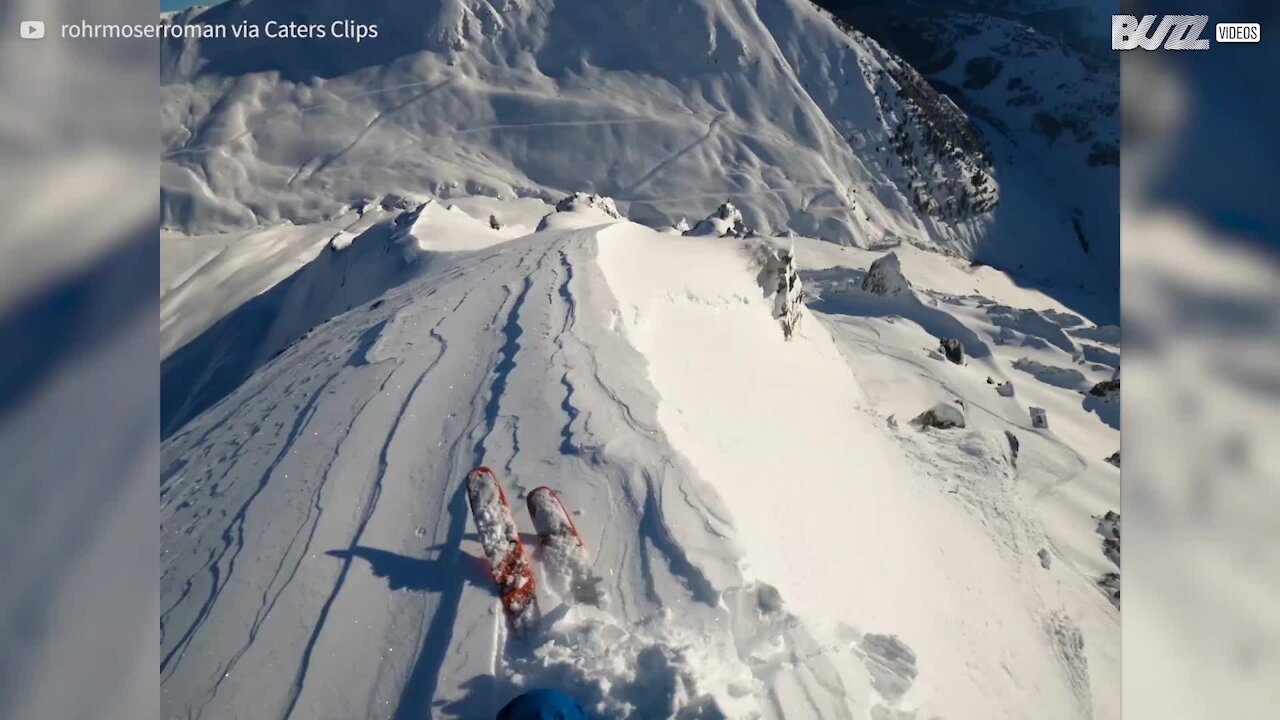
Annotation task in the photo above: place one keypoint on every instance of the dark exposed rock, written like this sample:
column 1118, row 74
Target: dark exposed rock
column 1109, row 529
column 952, row 350
column 1106, row 388
column 885, row 277
column 1110, row 584
column 1014, row 446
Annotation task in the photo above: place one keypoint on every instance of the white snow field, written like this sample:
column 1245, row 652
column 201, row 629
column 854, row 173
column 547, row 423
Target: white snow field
column 774, row 538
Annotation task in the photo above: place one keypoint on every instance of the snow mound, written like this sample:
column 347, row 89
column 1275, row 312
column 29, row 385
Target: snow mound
column 885, row 277
column 651, row 669
column 1066, row 378
column 941, row 416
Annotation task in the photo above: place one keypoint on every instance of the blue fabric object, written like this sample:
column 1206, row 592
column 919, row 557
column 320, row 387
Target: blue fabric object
column 542, row 705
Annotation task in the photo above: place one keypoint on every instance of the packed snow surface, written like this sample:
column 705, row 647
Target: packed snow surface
column 770, row 541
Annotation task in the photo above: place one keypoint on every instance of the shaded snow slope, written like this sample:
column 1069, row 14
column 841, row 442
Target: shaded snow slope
column 1041, row 82
column 771, row 545
column 669, row 108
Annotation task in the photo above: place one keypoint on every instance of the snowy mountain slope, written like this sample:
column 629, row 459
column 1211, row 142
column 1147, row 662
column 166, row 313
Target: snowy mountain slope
column 668, row 107
column 772, row 546
column 1041, row 83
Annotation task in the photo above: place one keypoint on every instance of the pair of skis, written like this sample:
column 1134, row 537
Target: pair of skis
column 562, row 550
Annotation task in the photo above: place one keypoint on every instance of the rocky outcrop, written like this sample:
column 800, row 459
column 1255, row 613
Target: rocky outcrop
column 581, row 201
column 885, row 277
column 1109, row 529
column 726, row 221
column 952, row 350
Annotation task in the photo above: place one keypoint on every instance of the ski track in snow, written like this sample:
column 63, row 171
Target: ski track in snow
column 296, row 510
column 495, row 433
column 673, row 157
column 377, row 118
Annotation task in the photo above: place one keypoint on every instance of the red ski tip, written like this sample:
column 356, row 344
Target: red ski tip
column 500, row 540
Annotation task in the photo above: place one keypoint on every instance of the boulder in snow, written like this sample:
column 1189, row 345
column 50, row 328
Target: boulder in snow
column 1114, row 459
column 726, row 221
column 1045, row 558
column 952, row 350
column 941, row 416
column 587, row 204
column 581, row 201
column 1005, row 388
column 1014, row 446
column 1039, row 418
column 885, row 277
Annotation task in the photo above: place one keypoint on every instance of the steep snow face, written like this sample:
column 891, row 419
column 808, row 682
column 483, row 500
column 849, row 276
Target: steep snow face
column 1040, row 81
column 770, row 543
column 670, row 108
column 822, row 507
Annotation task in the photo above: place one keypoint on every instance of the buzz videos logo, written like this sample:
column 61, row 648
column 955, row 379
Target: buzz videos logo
column 1176, row 32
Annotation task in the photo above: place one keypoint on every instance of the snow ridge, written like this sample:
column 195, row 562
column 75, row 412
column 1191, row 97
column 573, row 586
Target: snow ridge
column 317, row 556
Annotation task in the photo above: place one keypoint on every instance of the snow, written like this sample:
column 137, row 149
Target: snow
column 384, row 267
column 669, row 109
column 726, row 220
column 769, row 544
column 561, row 553
column 580, row 210
column 942, row 416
